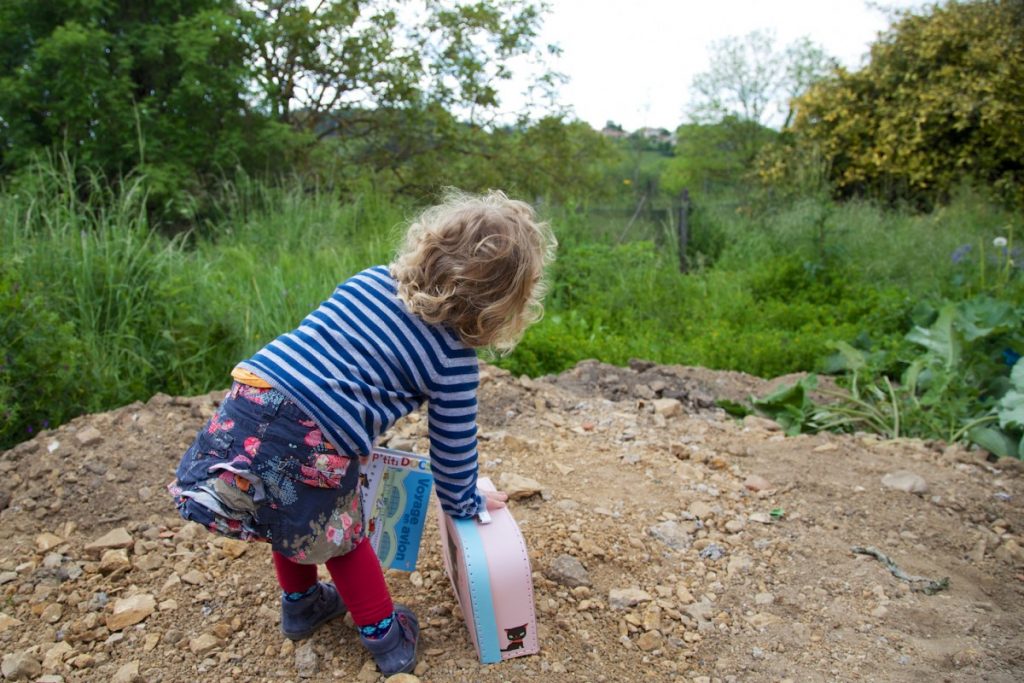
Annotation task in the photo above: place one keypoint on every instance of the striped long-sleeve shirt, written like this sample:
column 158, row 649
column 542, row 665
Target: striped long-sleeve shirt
column 361, row 361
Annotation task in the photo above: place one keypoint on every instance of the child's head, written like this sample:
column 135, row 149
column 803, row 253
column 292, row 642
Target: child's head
column 475, row 264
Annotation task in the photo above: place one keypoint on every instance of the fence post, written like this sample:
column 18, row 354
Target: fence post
column 683, row 225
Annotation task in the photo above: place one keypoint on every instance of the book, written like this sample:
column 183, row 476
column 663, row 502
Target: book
column 395, row 489
column 489, row 569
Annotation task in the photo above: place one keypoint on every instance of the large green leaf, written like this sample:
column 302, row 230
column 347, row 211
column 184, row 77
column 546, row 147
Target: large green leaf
column 941, row 338
column 1010, row 408
column 982, row 316
column 995, row 441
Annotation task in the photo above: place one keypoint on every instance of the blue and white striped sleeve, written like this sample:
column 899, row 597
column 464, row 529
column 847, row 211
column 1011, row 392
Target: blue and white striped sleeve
column 453, row 450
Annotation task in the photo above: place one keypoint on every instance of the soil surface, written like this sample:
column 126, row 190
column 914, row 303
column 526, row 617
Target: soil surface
column 649, row 521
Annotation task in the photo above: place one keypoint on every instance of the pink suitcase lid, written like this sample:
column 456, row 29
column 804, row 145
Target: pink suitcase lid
column 490, row 572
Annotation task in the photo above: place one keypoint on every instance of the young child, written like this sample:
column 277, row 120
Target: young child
column 279, row 462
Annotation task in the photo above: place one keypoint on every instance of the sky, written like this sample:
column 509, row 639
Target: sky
column 633, row 62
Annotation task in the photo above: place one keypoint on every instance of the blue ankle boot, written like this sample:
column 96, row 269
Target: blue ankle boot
column 395, row 652
column 299, row 618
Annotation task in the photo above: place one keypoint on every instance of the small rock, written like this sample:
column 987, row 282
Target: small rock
column 760, row 518
column 402, row 678
column 712, row 552
column 879, row 611
column 764, row 599
column 233, row 548
column 739, row 564
column 667, row 407
column 52, row 613
column 368, row 674
column 306, row 662
column 7, row 621
column 193, row 577
column 761, row 423
column 756, row 483
column 1010, row 552
column 757, row 653
column 128, row 673
column 903, row 480
column 684, row 595
column 701, row 510
column 566, row 570
column 700, row 611
column 115, row 538
column 56, row 655
column 672, row 534
column 202, row 644
column 734, row 526
column 649, row 640
column 47, row 541
column 621, row 598
column 518, row 486
column 20, row 665
column 114, row 559
column 132, row 610
column 90, row 436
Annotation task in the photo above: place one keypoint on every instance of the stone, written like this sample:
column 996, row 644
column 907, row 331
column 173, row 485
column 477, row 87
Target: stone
column 202, row 644
column 368, row 674
column 114, row 559
column 622, row 598
column 402, row 678
column 739, row 564
column 52, row 613
column 56, row 655
column 233, row 548
column 701, row 510
column 672, row 534
column 649, row 640
column 700, row 611
column 128, row 673
column 130, row 611
column 566, row 570
column 1010, row 552
column 667, row 407
column 193, row 577
column 90, row 436
column 684, row 595
column 764, row 599
column 7, row 621
column 47, row 541
column 115, row 538
column 756, row 483
column 734, row 526
column 517, row 486
column 904, row 480
column 306, row 662
column 760, row 518
column 761, row 423
column 21, row 665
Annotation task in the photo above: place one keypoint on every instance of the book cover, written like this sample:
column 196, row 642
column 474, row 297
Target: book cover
column 395, row 489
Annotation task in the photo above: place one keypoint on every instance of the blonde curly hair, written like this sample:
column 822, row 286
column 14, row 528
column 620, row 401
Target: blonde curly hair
column 475, row 263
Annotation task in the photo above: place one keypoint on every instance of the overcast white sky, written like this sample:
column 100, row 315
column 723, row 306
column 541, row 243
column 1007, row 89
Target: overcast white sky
column 632, row 61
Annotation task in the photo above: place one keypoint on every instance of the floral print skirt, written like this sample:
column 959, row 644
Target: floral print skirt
column 261, row 470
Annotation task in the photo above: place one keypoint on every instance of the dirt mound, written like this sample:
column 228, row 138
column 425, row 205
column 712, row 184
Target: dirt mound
column 713, row 550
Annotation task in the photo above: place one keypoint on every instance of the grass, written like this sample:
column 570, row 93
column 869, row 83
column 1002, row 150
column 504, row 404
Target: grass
column 106, row 310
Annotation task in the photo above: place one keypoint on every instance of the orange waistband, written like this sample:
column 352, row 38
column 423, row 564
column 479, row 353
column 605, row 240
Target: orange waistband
column 249, row 379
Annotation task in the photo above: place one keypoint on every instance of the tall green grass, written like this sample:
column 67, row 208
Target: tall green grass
column 98, row 309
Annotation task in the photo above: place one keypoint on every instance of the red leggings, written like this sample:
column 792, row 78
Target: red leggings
column 357, row 576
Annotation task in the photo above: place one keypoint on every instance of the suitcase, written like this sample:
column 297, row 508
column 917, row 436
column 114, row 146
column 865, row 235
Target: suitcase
column 490, row 572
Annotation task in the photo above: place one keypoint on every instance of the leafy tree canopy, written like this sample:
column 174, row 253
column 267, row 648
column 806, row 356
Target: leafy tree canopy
column 939, row 102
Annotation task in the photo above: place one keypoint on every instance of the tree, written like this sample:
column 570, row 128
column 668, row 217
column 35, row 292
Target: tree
column 118, row 86
column 751, row 80
column 327, row 66
column 715, row 156
column 940, row 101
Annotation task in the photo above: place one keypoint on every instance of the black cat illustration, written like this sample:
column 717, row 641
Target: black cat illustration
column 516, row 635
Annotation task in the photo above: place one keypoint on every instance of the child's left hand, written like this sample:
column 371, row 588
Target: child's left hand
column 494, row 500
